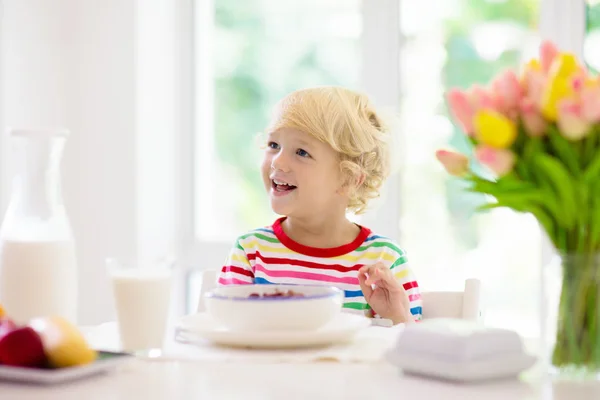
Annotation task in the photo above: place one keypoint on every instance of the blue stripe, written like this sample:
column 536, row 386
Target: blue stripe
column 371, row 238
column 416, row 310
column 264, row 230
column 353, row 293
column 347, row 293
column 262, row 281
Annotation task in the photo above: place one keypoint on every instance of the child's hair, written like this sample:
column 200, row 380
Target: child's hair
column 348, row 122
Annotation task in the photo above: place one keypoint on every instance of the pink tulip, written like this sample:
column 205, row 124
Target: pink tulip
column 499, row 161
column 534, row 83
column 481, row 98
column 548, row 52
column 571, row 122
column 454, row 163
column 507, row 91
column 461, row 109
column 590, row 104
column 535, row 123
column 578, row 83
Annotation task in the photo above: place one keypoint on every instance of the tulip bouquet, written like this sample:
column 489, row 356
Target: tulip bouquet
column 537, row 134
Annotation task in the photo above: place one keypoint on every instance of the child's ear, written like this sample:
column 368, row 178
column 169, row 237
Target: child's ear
column 351, row 184
column 360, row 179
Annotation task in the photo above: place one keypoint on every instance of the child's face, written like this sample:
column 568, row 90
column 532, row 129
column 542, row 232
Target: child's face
column 302, row 175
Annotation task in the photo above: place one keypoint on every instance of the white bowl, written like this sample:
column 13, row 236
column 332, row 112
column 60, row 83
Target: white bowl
column 233, row 307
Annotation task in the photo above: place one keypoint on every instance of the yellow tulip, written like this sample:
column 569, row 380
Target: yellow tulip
column 494, row 129
column 534, row 65
column 559, row 85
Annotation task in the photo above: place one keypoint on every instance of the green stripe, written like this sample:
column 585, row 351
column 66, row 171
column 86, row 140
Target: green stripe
column 401, row 260
column 357, row 306
column 238, row 245
column 260, row 236
column 382, row 244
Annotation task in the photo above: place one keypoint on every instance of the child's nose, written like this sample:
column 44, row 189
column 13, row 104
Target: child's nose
column 280, row 162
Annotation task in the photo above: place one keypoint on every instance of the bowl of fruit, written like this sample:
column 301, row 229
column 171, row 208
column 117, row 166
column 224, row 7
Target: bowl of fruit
column 48, row 350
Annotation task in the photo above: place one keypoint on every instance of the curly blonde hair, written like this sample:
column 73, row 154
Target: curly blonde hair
column 348, row 122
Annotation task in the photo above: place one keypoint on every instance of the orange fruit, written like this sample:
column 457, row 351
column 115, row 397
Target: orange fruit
column 2, row 312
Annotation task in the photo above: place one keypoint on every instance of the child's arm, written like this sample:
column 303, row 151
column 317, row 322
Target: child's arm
column 407, row 279
column 237, row 269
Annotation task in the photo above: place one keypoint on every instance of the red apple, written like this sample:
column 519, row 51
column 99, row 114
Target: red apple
column 22, row 347
column 6, row 325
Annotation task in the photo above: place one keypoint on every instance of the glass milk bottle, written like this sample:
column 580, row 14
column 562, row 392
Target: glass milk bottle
column 38, row 270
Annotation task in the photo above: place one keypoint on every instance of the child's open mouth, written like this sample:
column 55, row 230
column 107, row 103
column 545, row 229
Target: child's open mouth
column 280, row 186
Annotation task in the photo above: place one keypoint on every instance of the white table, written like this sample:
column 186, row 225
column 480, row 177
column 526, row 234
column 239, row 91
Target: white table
column 144, row 379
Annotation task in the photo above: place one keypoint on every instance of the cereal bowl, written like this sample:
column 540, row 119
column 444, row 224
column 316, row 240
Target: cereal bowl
column 274, row 307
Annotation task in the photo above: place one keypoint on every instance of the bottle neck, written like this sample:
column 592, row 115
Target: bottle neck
column 37, row 185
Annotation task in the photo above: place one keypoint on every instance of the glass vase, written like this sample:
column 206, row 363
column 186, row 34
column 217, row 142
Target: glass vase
column 571, row 316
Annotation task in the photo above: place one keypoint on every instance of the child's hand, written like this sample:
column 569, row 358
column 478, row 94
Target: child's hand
column 388, row 299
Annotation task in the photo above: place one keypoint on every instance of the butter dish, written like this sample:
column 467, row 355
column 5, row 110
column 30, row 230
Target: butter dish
column 459, row 350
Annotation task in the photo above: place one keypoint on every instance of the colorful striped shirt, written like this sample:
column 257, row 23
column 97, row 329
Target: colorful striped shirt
column 268, row 256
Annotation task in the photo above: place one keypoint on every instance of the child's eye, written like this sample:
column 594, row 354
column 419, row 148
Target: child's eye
column 273, row 145
column 302, row 153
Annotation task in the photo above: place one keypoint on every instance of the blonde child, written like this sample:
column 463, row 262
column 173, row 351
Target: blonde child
column 326, row 153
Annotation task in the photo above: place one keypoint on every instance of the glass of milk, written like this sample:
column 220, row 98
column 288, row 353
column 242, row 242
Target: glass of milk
column 142, row 295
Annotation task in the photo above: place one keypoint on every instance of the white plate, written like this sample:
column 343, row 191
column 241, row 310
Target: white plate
column 198, row 327
column 106, row 361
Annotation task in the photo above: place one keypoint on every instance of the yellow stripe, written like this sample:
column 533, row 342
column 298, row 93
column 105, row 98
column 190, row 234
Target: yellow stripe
column 241, row 259
column 402, row 274
column 368, row 256
column 267, row 249
column 347, row 257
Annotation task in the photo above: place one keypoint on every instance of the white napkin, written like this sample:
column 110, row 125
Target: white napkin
column 369, row 346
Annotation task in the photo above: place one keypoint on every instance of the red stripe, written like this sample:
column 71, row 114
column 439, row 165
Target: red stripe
column 318, row 252
column 237, row 270
column 414, row 297
column 232, row 281
column 410, row 285
column 302, row 263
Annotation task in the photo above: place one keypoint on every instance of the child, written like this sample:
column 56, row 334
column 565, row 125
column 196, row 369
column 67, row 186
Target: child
column 326, row 154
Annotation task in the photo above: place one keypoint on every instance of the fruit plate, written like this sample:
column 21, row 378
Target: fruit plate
column 105, row 362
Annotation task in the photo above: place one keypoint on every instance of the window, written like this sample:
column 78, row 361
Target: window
column 263, row 49
column 406, row 54
column 592, row 41
column 455, row 44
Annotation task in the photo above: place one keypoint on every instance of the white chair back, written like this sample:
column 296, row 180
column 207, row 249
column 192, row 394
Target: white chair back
column 462, row 305
column 209, row 281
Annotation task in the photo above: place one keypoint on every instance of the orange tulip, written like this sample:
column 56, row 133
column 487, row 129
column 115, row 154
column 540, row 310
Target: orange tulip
column 456, row 164
column 499, row 161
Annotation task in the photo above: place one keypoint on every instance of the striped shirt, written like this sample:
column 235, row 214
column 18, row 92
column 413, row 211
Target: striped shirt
column 269, row 256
